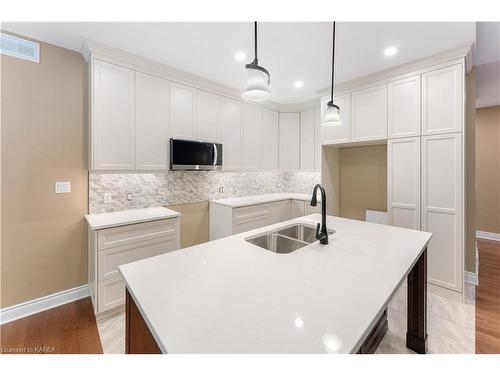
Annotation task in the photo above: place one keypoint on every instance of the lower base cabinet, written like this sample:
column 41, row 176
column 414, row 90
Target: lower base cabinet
column 226, row 220
column 111, row 247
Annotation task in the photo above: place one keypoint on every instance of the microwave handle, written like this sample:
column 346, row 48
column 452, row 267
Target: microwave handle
column 215, row 155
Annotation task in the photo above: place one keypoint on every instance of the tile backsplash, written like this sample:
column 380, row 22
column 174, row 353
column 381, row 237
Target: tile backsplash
column 176, row 187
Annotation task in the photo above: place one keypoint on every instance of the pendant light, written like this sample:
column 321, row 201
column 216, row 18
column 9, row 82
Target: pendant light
column 258, row 78
column 332, row 111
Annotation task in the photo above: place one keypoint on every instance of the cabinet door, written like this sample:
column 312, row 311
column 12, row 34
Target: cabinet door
column 113, row 117
column 403, row 186
column 207, row 116
column 307, row 144
column 182, row 111
column 312, row 209
column 317, row 140
column 297, row 208
column 231, row 113
column 289, row 141
column 369, row 113
column 151, row 129
column 442, row 208
column 341, row 133
column 252, row 137
column 404, row 108
column 269, row 139
column 442, row 100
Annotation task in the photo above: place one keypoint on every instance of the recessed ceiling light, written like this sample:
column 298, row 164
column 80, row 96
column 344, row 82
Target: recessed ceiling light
column 298, row 84
column 240, row 56
column 390, row 51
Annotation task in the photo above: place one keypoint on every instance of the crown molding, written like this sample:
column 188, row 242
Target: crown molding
column 463, row 54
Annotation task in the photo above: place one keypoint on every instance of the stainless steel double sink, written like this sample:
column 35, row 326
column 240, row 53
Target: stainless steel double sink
column 287, row 239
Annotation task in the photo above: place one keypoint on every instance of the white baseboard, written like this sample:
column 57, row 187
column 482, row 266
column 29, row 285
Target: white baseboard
column 34, row 306
column 471, row 278
column 488, row 235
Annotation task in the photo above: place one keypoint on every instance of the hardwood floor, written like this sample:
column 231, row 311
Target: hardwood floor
column 488, row 298
column 67, row 329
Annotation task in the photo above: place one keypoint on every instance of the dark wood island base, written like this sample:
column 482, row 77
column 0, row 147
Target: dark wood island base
column 139, row 339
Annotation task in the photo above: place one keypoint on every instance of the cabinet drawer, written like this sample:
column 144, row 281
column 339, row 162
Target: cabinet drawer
column 110, row 259
column 111, row 293
column 252, row 217
column 297, row 208
column 112, row 237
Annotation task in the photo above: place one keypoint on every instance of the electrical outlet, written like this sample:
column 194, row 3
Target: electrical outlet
column 221, row 189
column 129, row 196
column 107, row 197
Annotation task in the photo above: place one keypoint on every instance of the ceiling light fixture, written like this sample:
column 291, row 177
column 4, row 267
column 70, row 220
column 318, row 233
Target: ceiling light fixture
column 332, row 111
column 258, row 78
column 390, row 51
column 298, row 84
column 240, row 56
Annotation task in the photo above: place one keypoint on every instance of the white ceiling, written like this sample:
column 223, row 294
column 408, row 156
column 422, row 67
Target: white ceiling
column 290, row 51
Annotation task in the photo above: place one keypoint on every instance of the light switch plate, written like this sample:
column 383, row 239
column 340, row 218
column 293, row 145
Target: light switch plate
column 63, row 187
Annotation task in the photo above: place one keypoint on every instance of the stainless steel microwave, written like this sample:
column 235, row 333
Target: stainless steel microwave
column 194, row 155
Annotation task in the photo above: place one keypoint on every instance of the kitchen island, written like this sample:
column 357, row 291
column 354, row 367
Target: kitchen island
column 231, row 296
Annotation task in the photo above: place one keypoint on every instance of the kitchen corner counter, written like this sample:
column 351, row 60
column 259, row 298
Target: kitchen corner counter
column 126, row 217
column 260, row 199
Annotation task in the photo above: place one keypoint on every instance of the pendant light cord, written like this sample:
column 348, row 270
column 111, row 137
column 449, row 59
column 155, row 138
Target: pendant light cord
column 256, row 61
column 333, row 61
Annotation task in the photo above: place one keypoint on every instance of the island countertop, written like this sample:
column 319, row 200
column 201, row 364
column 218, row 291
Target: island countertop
column 230, row 296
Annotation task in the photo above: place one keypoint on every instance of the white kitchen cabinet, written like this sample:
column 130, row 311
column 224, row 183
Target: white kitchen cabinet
column 443, row 100
column 231, row 115
column 297, row 208
column 369, row 113
column 113, row 117
column 342, row 132
column 111, row 247
column 404, row 108
column 207, row 117
column 317, row 140
column 442, row 208
column 307, row 140
column 151, row 122
column 259, row 215
column 252, row 137
column 403, row 186
column 182, row 111
column 289, row 141
column 270, row 134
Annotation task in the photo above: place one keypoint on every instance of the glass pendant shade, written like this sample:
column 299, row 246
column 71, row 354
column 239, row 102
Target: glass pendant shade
column 331, row 116
column 257, row 85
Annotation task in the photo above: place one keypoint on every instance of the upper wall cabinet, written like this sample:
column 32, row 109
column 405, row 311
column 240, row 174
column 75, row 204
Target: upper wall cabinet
column 252, row 137
column 341, row 133
column 369, row 113
column 404, row 108
column 151, row 122
column 182, row 111
column 113, row 117
column 269, row 139
column 307, row 143
column 442, row 100
column 231, row 114
column 207, row 115
column 289, row 141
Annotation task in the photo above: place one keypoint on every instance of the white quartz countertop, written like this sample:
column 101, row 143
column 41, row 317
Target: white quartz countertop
column 229, row 296
column 125, row 217
column 262, row 198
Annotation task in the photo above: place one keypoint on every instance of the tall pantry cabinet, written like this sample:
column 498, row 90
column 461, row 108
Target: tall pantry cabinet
column 426, row 170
